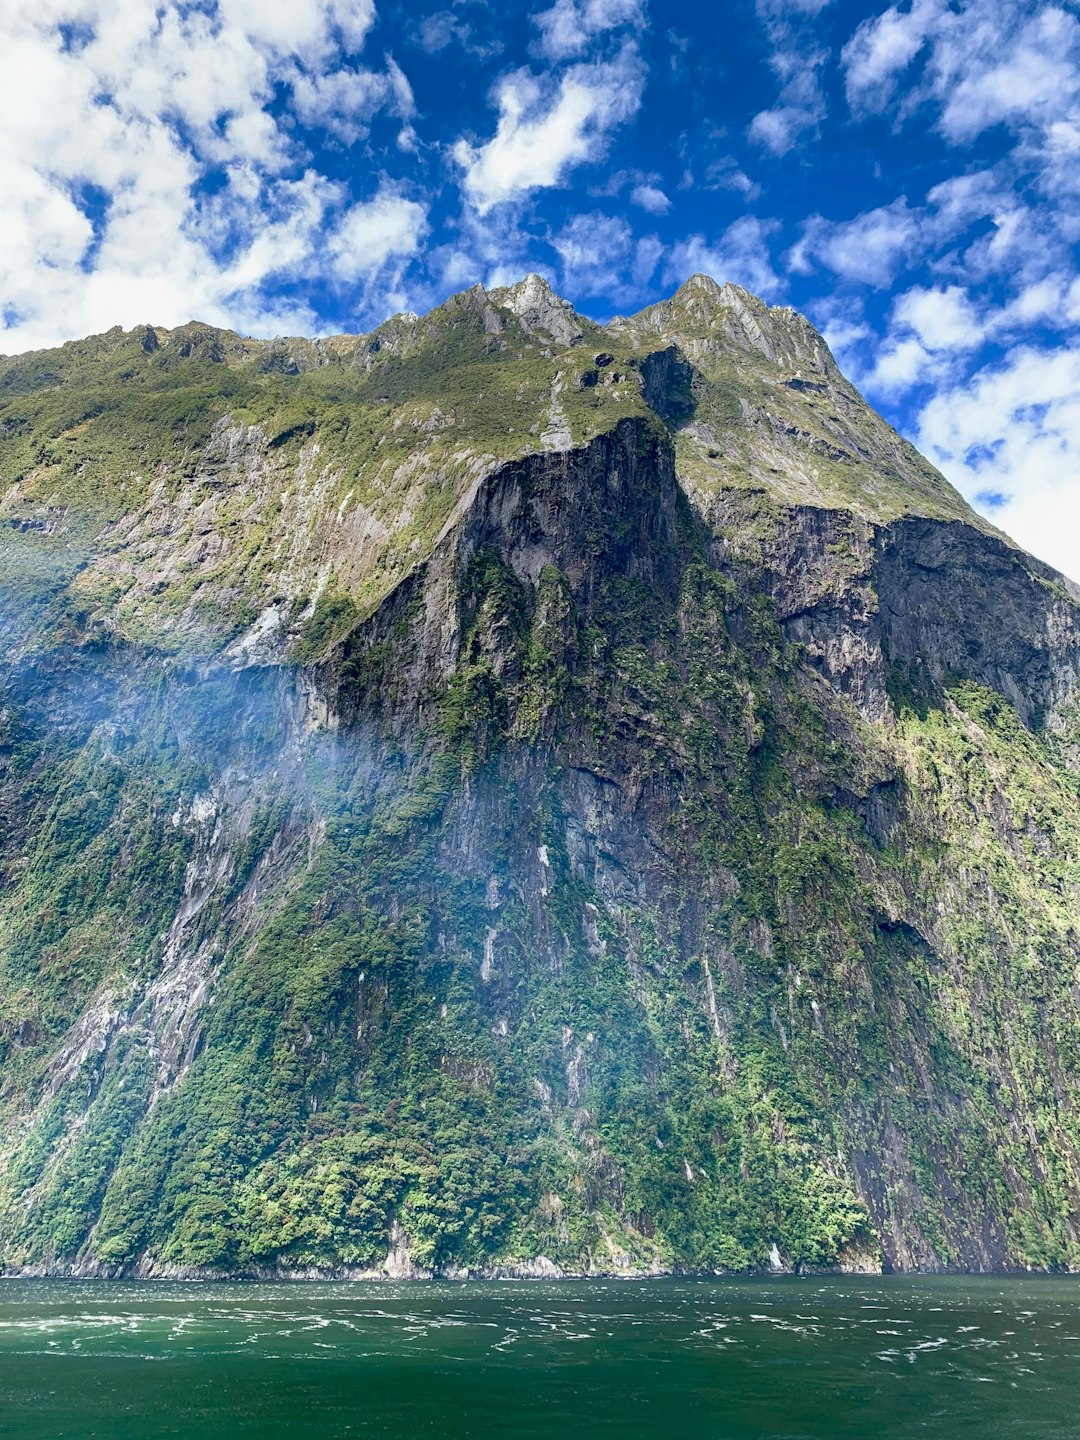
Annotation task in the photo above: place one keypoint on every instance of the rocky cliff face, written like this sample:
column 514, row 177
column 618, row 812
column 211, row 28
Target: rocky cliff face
column 506, row 794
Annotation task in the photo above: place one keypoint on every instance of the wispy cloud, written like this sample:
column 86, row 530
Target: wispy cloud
column 570, row 27
column 650, row 198
column 376, row 237
column 882, row 48
column 800, row 107
column 987, row 62
column 596, row 252
column 796, row 61
column 341, row 102
column 549, row 126
column 869, row 249
column 476, row 35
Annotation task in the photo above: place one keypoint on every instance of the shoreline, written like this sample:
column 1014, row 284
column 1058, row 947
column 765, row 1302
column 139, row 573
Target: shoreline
column 486, row 1274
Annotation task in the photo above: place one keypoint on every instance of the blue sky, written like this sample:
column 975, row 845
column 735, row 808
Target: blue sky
column 909, row 176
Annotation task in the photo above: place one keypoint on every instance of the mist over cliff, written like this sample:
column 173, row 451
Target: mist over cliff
column 505, row 794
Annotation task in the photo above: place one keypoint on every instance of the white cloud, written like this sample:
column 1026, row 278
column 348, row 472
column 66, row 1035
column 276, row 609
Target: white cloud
column 596, row 252
column 845, row 330
column 996, row 247
column 1058, row 156
column 601, row 257
column 571, row 26
column 445, row 28
column 741, row 255
column 107, row 145
column 931, row 333
column 1053, row 298
column 988, row 62
column 648, row 252
column 1009, row 439
column 991, row 65
column 964, row 198
column 1027, row 245
column 301, row 28
column 650, row 198
column 493, row 248
column 371, row 235
column 882, row 49
column 714, row 171
column 796, row 60
column 543, row 131
column 900, row 364
column 773, row 11
column 871, row 249
column 342, row 101
column 724, row 173
column 940, row 319
column 780, row 128
column 801, row 105
column 440, row 30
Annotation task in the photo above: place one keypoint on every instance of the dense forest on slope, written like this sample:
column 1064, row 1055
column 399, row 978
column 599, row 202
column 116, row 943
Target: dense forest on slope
column 509, row 795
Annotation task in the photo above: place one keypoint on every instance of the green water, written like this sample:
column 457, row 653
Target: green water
column 711, row 1360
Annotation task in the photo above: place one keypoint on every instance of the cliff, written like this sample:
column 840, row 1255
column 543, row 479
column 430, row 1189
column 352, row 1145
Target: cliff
column 506, row 794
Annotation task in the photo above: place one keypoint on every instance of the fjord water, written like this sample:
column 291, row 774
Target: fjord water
column 723, row 1359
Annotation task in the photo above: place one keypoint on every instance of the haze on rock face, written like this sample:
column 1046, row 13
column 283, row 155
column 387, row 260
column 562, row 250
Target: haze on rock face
column 508, row 794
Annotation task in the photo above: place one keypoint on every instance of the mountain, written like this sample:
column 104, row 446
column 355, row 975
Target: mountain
column 508, row 795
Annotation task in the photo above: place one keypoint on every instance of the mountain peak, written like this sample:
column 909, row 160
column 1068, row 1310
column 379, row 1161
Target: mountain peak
column 701, row 284
column 707, row 318
column 541, row 310
column 705, row 292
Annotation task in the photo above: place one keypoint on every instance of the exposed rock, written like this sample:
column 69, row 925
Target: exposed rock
column 541, row 311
